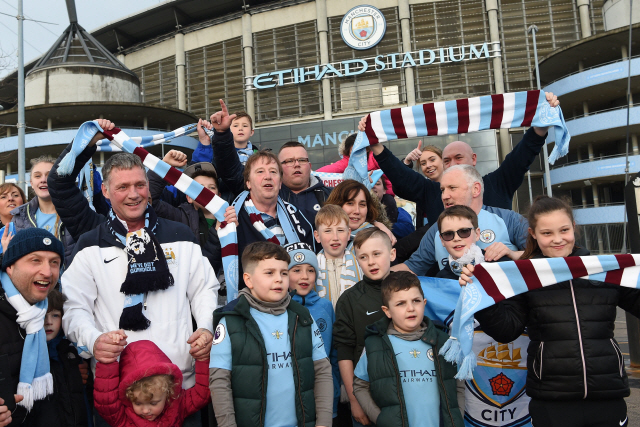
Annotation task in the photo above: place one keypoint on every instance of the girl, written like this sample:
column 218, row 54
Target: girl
column 430, row 160
column 363, row 210
column 575, row 369
column 145, row 388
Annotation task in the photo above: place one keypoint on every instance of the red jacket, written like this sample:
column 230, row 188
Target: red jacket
column 341, row 165
column 139, row 360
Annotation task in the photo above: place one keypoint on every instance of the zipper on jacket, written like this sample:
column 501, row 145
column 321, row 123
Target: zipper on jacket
column 436, row 361
column 295, row 360
column 619, row 354
column 540, row 352
column 584, row 365
column 29, row 216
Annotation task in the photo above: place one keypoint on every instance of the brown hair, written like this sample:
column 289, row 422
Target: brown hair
column 241, row 114
column 458, row 211
column 331, row 214
column 346, row 191
column 149, row 387
column 398, row 281
column 262, row 154
column 6, row 187
column 370, row 233
column 543, row 205
column 291, row 144
column 55, row 301
column 433, row 149
column 208, row 174
column 258, row 251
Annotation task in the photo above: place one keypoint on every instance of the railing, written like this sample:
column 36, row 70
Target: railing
column 589, row 68
column 600, row 205
column 593, row 113
column 593, row 159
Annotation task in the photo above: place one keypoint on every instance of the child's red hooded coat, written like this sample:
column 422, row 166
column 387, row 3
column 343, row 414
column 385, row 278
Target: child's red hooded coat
column 139, row 360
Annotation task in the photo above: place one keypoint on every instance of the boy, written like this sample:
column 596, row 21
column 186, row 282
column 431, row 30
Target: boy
column 360, row 306
column 337, row 266
column 242, row 130
column 70, row 398
column 401, row 379
column 302, row 278
column 459, row 232
column 267, row 358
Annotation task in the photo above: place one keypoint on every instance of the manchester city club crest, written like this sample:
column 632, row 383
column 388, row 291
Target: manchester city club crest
column 487, row 236
column 363, row 27
column 298, row 257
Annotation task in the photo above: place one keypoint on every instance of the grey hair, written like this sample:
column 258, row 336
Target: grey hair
column 471, row 174
column 125, row 161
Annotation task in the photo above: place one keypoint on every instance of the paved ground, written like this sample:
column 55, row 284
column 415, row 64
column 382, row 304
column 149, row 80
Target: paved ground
column 633, row 401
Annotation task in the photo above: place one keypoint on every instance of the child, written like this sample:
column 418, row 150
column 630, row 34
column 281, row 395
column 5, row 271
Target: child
column 242, row 130
column 302, row 278
column 360, row 306
column 337, row 266
column 145, row 388
column 401, row 379
column 575, row 370
column 70, row 398
column 268, row 362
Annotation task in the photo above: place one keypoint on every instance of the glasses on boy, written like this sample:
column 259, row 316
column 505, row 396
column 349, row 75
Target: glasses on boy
column 463, row 233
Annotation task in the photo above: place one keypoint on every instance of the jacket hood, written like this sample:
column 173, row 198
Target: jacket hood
column 310, row 299
column 142, row 359
column 22, row 209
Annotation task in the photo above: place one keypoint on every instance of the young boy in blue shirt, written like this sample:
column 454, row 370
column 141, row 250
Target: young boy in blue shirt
column 302, row 279
column 401, row 380
column 267, row 356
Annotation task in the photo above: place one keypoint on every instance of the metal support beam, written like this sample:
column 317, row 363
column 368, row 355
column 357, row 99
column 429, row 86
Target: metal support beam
column 632, row 200
column 585, row 21
column 21, row 120
column 180, row 71
column 404, row 13
column 323, row 30
column 247, row 48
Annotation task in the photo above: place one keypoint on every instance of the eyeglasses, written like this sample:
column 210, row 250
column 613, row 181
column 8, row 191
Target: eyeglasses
column 449, row 235
column 290, row 162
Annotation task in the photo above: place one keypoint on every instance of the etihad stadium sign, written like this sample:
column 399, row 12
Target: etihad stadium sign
column 355, row 67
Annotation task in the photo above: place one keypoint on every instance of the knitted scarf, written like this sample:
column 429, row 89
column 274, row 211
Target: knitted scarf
column 494, row 282
column 350, row 274
column 356, row 231
column 147, row 268
column 519, row 109
column 331, row 180
column 36, row 381
column 171, row 175
column 147, row 141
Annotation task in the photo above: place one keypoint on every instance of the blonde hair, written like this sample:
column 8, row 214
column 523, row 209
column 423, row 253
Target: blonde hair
column 150, row 387
column 330, row 215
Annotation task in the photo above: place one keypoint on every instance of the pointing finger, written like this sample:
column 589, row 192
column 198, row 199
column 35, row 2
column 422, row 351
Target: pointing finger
column 224, row 107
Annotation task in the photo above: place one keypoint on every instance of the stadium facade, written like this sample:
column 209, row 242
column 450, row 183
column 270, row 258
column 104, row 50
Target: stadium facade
column 306, row 71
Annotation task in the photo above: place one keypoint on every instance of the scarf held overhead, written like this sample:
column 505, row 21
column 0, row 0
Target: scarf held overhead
column 508, row 110
column 494, row 282
column 35, row 381
column 171, row 175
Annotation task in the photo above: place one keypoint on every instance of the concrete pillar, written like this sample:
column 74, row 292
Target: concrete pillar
column 323, row 30
column 634, row 144
column 585, row 108
column 145, row 122
column 49, row 124
column 8, row 131
column 585, row 21
column 590, row 150
column 180, row 71
column 101, row 158
column 583, row 194
column 120, row 58
column 579, row 153
column 594, row 189
column 624, row 51
column 8, row 168
column 247, row 48
column 404, row 13
column 498, row 77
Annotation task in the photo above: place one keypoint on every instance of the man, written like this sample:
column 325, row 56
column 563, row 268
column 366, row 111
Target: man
column 502, row 232
column 133, row 271
column 261, row 212
column 299, row 186
column 500, row 185
column 31, row 267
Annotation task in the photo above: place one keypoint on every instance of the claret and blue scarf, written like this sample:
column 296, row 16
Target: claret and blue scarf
column 494, row 282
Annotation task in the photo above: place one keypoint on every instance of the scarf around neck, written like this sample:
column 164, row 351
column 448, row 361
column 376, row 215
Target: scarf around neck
column 147, row 269
column 276, row 308
column 350, row 274
column 494, row 282
column 356, row 231
column 507, row 110
column 473, row 256
column 35, row 381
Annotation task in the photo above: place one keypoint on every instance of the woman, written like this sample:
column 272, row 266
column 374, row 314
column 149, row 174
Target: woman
column 575, row 369
column 430, row 160
column 11, row 196
column 362, row 209
column 345, row 152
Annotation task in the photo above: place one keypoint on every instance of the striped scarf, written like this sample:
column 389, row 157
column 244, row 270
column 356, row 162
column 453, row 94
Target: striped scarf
column 331, row 180
column 352, row 236
column 350, row 274
column 494, row 282
column 519, row 109
column 204, row 196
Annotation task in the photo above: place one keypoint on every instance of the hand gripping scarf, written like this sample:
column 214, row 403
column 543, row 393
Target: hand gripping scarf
column 147, row 269
column 171, row 175
column 36, row 381
column 494, row 282
column 507, row 110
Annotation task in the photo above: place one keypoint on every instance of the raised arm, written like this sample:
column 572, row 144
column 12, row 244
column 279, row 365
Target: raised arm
column 230, row 169
column 105, row 393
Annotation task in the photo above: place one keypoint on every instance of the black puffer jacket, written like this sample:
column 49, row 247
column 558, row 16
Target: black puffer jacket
column 572, row 354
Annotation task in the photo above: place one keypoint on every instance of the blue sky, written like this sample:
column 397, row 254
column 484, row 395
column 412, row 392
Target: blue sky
column 38, row 38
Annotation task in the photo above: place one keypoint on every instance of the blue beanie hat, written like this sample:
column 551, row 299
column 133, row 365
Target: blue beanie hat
column 301, row 253
column 31, row 240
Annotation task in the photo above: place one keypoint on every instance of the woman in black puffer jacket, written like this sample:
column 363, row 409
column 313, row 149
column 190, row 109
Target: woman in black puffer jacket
column 576, row 375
